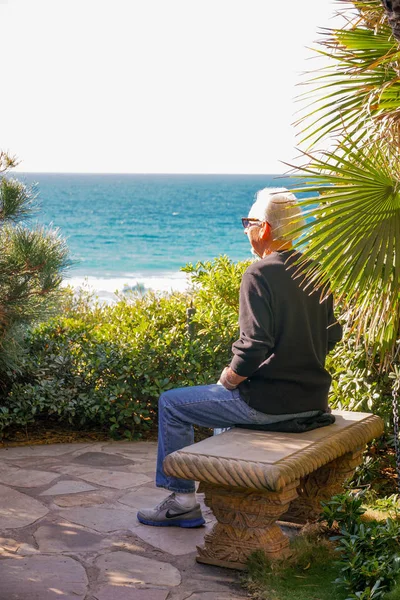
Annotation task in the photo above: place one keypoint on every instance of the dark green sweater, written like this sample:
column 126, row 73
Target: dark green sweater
column 285, row 335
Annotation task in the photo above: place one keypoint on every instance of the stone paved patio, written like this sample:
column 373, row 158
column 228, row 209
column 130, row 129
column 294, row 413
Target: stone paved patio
column 68, row 529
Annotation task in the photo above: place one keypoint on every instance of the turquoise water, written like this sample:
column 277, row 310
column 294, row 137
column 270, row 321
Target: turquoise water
column 123, row 229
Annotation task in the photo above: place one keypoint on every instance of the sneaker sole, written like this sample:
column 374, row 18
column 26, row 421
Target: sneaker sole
column 178, row 523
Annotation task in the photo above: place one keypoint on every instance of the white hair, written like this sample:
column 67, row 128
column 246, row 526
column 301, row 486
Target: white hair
column 280, row 209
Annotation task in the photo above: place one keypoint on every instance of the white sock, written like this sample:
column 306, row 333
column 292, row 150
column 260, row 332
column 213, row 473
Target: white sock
column 186, row 500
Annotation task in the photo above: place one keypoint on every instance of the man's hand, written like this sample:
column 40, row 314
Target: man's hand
column 229, row 379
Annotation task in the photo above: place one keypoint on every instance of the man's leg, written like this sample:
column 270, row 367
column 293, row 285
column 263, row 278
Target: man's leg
column 204, row 406
column 179, row 409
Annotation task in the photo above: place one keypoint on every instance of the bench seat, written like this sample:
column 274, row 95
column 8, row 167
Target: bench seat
column 251, row 479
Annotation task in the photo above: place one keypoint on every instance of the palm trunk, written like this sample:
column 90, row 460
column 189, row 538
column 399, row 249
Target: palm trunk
column 392, row 9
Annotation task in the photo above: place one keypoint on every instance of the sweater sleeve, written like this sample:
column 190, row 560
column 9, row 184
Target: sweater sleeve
column 256, row 326
column 335, row 331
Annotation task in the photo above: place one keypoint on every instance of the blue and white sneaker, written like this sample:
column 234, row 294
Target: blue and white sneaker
column 169, row 513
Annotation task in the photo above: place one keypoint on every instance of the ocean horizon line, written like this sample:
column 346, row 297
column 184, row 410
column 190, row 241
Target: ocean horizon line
column 152, row 173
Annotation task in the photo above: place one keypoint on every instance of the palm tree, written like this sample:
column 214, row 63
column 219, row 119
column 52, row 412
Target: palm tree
column 355, row 206
column 392, row 10
column 353, row 237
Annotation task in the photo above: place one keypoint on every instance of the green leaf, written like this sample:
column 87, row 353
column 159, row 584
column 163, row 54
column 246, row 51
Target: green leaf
column 353, row 240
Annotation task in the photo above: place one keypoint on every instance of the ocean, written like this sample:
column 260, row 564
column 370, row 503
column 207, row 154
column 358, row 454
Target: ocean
column 133, row 230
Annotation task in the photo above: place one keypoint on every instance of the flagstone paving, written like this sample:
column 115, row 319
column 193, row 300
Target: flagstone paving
column 68, row 529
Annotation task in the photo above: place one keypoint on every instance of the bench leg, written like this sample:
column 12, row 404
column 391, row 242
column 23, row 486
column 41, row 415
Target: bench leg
column 319, row 486
column 245, row 523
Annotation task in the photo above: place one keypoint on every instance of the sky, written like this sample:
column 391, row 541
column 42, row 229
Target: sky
column 154, row 86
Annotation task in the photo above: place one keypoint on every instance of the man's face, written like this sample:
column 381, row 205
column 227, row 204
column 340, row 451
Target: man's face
column 255, row 231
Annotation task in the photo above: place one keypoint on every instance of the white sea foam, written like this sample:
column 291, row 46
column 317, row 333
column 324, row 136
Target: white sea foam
column 107, row 288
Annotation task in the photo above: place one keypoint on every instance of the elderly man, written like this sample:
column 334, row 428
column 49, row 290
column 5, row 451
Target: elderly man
column 277, row 372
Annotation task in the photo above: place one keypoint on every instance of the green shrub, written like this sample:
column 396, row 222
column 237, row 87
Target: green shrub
column 344, row 509
column 107, row 365
column 369, row 552
column 32, row 262
column 388, row 504
column 358, row 381
column 394, row 593
column 377, row 469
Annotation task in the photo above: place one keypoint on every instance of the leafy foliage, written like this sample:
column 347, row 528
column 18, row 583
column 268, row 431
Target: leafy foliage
column 216, row 292
column 358, row 381
column 354, row 210
column 360, row 82
column 369, row 553
column 388, row 504
column 345, row 509
column 32, row 262
column 357, row 219
column 108, row 364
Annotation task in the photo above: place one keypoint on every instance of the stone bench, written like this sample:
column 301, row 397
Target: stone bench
column 251, row 479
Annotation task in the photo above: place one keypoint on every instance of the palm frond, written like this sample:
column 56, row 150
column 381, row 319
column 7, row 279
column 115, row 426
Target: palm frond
column 353, row 233
column 371, row 13
column 361, row 83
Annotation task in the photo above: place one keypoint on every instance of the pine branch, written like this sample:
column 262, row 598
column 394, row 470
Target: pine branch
column 32, row 264
column 16, row 201
column 7, row 162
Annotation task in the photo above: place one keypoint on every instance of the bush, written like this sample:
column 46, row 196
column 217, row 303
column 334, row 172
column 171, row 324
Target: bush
column 107, row 365
column 358, row 380
column 32, row 263
column 369, row 552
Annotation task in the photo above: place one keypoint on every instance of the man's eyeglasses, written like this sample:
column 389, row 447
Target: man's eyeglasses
column 246, row 222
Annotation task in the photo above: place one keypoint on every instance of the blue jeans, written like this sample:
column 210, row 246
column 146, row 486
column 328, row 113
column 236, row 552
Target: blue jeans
column 206, row 406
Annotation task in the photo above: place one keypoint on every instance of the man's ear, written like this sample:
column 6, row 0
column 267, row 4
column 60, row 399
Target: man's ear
column 265, row 231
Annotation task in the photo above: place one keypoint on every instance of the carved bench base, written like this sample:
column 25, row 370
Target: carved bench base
column 320, row 485
column 246, row 521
